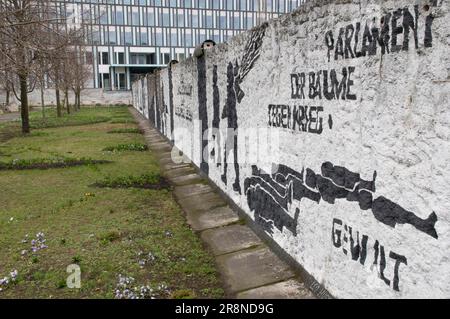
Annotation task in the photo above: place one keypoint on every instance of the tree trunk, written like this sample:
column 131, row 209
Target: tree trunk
column 79, row 99
column 58, row 103
column 24, row 103
column 7, row 97
column 42, row 101
column 66, row 99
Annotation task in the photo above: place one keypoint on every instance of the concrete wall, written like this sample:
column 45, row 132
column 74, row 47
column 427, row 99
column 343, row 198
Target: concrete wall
column 88, row 97
column 343, row 141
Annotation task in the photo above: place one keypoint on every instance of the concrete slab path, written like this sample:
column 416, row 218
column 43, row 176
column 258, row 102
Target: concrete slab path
column 249, row 269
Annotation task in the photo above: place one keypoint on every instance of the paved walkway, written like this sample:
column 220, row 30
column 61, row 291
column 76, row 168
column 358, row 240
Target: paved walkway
column 249, row 269
column 6, row 117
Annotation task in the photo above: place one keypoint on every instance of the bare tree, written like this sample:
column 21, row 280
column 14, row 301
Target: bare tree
column 81, row 73
column 41, row 72
column 23, row 24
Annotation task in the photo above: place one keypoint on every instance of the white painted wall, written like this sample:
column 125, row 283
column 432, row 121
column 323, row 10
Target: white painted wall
column 394, row 121
column 88, row 97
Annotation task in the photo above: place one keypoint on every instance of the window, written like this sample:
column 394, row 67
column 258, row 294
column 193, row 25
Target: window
column 181, row 56
column 150, row 18
column 174, row 39
column 119, row 17
column 121, row 81
column 244, row 5
column 112, row 37
column 209, row 19
column 121, row 58
column 95, row 37
column 195, row 20
column 249, row 22
column 105, row 58
column 180, row 19
column 135, row 18
column 165, row 58
column 188, row 40
column 151, row 58
column 128, row 38
column 103, row 15
column 223, row 22
column 158, row 38
column 106, row 83
column 237, row 23
column 142, row 58
column 166, row 19
column 144, row 38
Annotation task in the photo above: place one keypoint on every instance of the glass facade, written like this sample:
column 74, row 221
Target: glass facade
column 131, row 37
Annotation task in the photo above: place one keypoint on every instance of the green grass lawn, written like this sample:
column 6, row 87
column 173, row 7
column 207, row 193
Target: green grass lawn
column 139, row 233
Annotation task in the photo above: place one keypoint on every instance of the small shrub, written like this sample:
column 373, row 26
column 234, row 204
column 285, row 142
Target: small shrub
column 126, row 131
column 76, row 259
column 52, row 122
column 137, row 147
column 47, row 163
column 109, row 237
column 147, row 181
column 61, row 284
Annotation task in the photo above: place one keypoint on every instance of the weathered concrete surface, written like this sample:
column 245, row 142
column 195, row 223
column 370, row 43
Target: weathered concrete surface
column 182, row 192
column 201, row 202
column 186, row 179
column 177, row 172
column 230, row 239
column 290, row 289
column 252, row 268
column 213, row 218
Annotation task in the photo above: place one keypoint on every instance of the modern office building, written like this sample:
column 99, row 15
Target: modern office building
column 130, row 37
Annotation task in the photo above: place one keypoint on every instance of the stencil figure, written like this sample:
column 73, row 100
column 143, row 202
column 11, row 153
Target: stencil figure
column 235, row 95
column 229, row 112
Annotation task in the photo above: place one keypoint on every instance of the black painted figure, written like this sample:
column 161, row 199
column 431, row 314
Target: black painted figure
column 151, row 99
column 157, row 102
column 270, row 196
column 203, row 112
column 164, row 110
column 216, row 118
column 171, row 101
column 230, row 113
